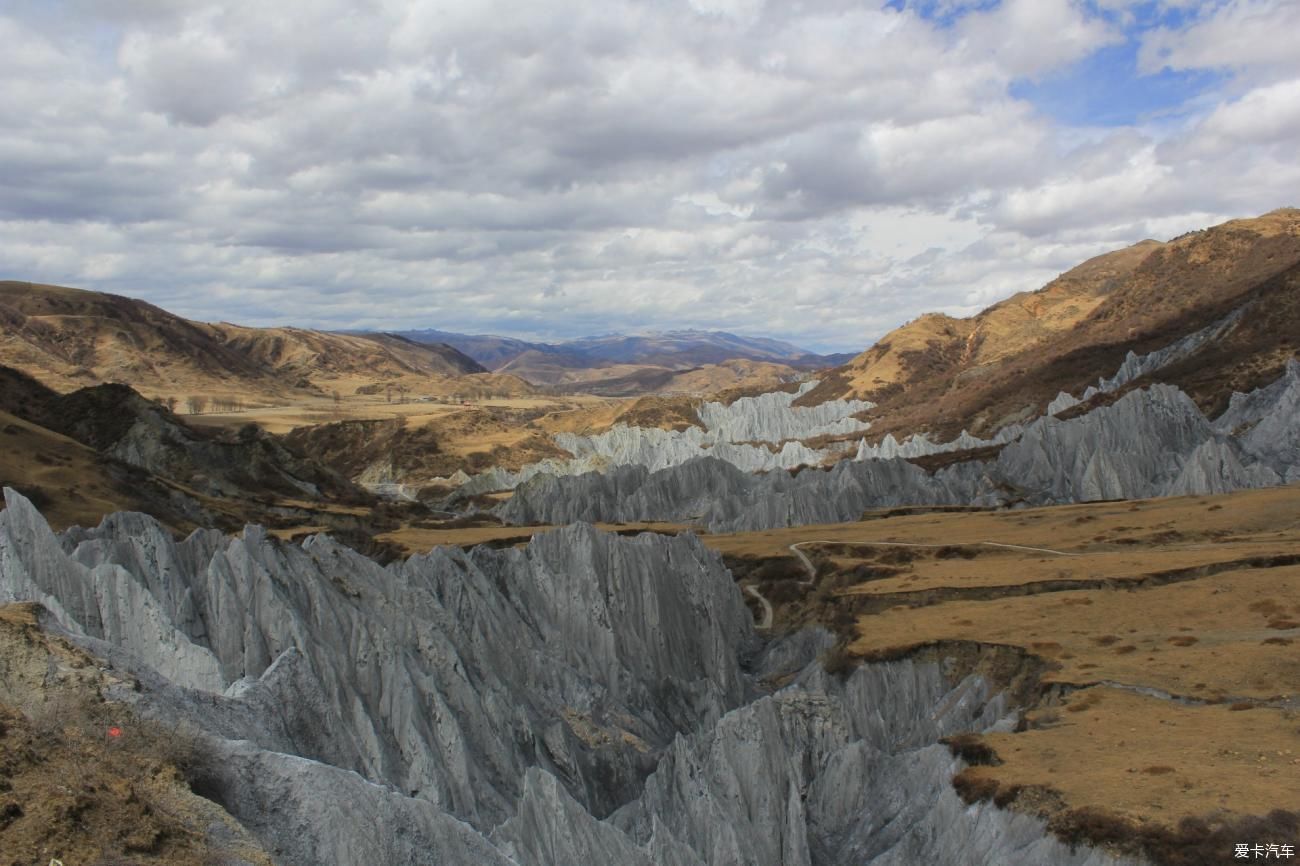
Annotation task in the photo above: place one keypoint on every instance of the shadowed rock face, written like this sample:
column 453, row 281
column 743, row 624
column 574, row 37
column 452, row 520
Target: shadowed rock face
column 1151, row 442
column 584, row 700
column 1265, row 423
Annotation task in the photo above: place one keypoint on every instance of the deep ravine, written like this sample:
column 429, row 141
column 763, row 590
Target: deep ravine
column 588, row 699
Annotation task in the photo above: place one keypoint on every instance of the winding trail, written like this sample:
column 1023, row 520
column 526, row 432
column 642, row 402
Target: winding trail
column 812, row 570
column 766, row 622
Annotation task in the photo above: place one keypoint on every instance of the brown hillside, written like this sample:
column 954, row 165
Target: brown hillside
column 69, row 338
column 317, row 358
column 72, row 795
column 942, row 374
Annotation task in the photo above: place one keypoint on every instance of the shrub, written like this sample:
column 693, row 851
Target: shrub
column 972, row 749
column 973, row 788
column 839, row 660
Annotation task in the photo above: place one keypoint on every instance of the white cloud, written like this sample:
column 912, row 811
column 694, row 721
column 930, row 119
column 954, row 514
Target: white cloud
column 821, row 171
column 1027, row 38
column 1264, row 116
column 1258, row 34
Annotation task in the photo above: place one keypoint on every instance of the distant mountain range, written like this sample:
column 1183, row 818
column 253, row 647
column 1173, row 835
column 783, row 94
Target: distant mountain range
column 551, row 363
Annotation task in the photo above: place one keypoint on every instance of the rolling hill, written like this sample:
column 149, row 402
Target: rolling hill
column 71, row 338
column 940, row 374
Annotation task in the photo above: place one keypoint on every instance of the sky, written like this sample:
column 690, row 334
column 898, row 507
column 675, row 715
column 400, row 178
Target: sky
column 814, row 170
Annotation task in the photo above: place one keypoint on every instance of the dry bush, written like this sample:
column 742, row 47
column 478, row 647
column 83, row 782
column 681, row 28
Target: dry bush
column 898, row 556
column 143, row 743
column 1266, row 606
column 973, row 788
column 785, row 591
column 1006, row 795
column 1087, row 701
column 839, row 660
column 1037, row 720
column 1194, row 842
column 972, row 749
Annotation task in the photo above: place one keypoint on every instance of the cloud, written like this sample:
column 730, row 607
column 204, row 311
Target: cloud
column 1237, row 34
column 1027, row 38
column 818, row 171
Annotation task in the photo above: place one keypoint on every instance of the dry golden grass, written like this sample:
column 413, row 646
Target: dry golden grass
column 1148, row 759
column 63, row 476
column 418, row 540
column 73, row 793
column 592, row 416
column 727, row 375
column 311, row 410
column 1137, row 637
column 940, row 374
column 1192, row 596
column 1258, row 516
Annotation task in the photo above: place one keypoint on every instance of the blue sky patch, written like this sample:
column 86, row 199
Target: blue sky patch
column 1105, row 89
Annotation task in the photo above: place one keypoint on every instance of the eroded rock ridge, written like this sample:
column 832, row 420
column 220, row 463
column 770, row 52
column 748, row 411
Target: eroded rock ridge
column 588, row 699
column 1150, row 442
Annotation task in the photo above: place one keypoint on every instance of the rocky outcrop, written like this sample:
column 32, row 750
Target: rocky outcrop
column 588, row 699
column 754, row 434
column 919, row 445
column 684, row 492
column 1264, row 422
column 773, row 417
column 121, row 425
column 1151, row 442
column 445, row 675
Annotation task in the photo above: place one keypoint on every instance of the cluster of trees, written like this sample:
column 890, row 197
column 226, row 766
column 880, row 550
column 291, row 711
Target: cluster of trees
column 478, row 394
column 227, row 404
column 197, row 404
column 402, row 393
